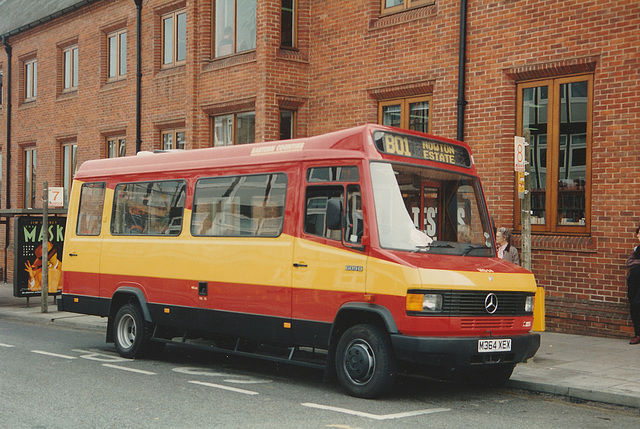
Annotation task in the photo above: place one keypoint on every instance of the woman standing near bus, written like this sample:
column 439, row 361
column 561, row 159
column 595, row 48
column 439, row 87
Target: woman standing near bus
column 505, row 250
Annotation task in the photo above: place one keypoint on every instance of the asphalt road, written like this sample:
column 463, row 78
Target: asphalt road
column 52, row 377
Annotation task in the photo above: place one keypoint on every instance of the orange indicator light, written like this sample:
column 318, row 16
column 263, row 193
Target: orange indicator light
column 167, row 310
column 287, row 325
column 414, row 302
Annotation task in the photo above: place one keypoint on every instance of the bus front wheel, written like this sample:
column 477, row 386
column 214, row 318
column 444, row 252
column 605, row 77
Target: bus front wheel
column 365, row 363
column 129, row 332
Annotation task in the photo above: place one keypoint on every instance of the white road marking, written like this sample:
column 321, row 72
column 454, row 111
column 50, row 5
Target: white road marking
column 6, row 345
column 53, row 354
column 219, row 386
column 124, row 368
column 376, row 416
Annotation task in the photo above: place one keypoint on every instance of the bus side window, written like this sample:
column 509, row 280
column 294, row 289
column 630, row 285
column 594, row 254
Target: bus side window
column 248, row 206
column 148, row 208
column 354, row 220
column 316, row 202
column 90, row 209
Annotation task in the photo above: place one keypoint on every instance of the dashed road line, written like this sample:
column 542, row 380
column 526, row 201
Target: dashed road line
column 124, row 368
column 219, row 386
column 375, row 416
column 6, row 345
column 41, row 352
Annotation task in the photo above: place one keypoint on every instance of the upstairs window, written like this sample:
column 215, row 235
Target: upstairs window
column 117, row 44
column 30, row 80
column 70, row 68
column 1, row 89
column 288, row 24
column 235, row 26
column 174, row 39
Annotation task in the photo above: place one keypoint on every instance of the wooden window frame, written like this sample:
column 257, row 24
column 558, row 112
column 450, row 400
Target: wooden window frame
column 119, row 66
column 234, row 125
column 70, row 68
column 551, row 225
column 405, row 104
column 234, row 37
column 30, row 80
column 293, row 122
column 119, row 144
column 174, row 61
column 294, row 23
column 69, row 166
column 406, row 4
column 29, row 170
column 174, row 139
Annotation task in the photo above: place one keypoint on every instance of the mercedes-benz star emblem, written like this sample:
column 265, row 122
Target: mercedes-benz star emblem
column 491, row 303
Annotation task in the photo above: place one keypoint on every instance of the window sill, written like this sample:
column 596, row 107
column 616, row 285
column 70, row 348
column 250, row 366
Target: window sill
column 564, row 243
column 231, row 60
column 391, row 19
column 68, row 95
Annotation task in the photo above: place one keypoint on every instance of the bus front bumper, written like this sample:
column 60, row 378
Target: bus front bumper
column 460, row 352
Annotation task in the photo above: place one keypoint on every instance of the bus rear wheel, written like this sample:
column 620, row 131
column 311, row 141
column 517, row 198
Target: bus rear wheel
column 365, row 364
column 129, row 332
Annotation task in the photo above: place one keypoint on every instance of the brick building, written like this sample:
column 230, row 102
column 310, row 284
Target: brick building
column 565, row 73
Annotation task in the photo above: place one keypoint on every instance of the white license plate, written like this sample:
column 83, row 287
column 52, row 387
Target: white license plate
column 489, row 346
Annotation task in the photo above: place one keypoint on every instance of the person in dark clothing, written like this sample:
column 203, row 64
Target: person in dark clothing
column 633, row 288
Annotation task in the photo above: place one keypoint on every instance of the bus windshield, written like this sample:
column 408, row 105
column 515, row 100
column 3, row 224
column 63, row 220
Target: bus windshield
column 420, row 209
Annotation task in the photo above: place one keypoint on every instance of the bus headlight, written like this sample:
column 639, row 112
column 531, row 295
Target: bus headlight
column 528, row 304
column 418, row 302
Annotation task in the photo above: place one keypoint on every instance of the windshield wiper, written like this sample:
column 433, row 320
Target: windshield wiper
column 472, row 247
column 435, row 244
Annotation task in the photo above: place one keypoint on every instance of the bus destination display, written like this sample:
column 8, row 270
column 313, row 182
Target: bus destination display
column 421, row 148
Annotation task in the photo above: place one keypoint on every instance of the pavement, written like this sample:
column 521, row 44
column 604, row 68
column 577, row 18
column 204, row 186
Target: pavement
column 579, row 367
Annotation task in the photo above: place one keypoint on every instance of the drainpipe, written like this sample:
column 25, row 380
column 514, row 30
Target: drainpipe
column 7, row 233
column 461, row 69
column 138, row 75
column 8, row 86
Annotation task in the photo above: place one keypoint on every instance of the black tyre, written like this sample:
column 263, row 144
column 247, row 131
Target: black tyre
column 129, row 332
column 365, row 363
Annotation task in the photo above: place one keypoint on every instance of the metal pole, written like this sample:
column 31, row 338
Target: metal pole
column 45, row 249
column 526, row 205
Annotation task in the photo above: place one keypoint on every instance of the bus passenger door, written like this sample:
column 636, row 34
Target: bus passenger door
column 329, row 260
column 83, row 240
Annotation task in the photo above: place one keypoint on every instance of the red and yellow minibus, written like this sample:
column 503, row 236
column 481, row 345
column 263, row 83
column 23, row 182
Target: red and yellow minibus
column 365, row 252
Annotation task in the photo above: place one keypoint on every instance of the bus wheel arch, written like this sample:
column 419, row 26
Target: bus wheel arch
column 360, row 354
column 123, row 296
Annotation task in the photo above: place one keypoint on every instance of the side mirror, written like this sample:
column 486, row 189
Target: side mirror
column 334, row 213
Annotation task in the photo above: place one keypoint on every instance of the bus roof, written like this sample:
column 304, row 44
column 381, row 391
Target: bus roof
column 351, row 143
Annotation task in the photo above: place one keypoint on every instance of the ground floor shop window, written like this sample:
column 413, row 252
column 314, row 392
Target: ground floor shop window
column 555, row 116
